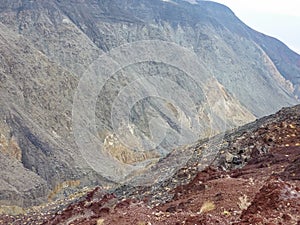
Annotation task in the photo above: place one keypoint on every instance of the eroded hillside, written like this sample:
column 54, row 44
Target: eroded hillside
column 47, row 49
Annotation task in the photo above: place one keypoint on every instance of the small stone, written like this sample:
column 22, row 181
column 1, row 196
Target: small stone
column 100, row 222
column 229, row 157
column 286, row 217
column 171, row 209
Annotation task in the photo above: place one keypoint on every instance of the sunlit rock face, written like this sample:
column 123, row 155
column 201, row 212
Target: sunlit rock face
column 206, row 72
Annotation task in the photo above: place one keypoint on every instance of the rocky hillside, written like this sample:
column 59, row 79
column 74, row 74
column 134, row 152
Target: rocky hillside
column 80, row 77
column 253, row 179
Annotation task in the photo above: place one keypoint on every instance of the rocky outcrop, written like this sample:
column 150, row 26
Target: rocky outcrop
column 20, row 186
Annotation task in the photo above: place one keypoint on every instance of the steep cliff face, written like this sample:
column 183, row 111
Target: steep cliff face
column 48, row 48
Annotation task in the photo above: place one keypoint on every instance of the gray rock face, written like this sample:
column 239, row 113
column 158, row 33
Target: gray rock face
column 184, row 72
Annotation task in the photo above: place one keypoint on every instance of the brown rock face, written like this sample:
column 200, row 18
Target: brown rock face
column 10, row 148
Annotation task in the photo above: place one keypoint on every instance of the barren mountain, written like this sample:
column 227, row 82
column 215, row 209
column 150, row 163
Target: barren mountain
column 70, row 70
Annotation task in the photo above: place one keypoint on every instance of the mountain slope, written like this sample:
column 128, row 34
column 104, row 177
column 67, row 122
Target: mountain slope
column 36, row 103
column 209, row 28
column 254, row 179
column 49, row 47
